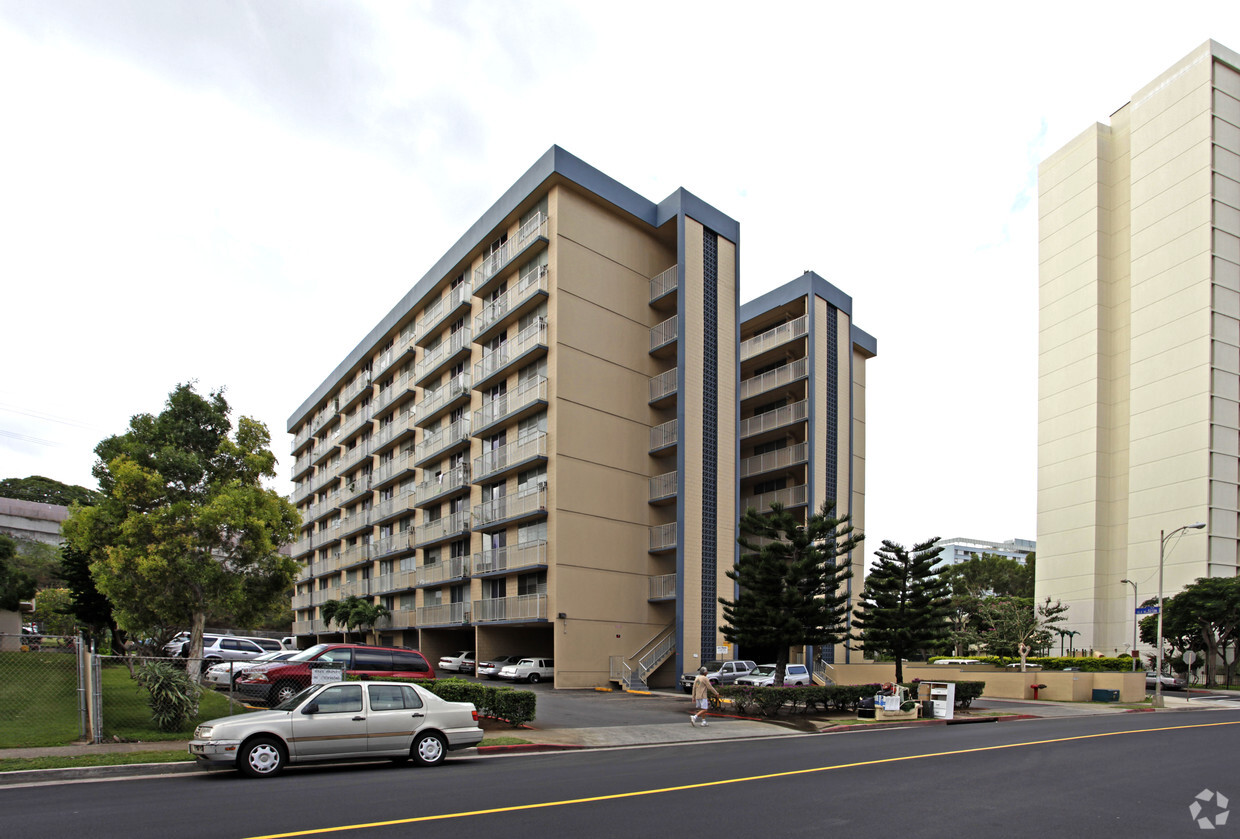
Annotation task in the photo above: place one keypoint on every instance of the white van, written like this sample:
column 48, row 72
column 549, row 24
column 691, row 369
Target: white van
column 958, row 661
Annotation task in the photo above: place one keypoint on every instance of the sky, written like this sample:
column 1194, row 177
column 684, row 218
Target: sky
column 234, row 193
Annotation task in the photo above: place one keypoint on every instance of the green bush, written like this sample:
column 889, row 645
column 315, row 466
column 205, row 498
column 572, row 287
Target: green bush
column 173, row 696
column 1121, row 664
column 516, row 707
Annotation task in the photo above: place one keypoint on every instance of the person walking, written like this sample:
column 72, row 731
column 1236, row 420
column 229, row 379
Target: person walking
column 701, row 687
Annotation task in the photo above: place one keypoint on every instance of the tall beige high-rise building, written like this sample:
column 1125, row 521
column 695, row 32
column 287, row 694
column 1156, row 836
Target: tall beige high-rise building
column 536, row 451
column 1139, row 349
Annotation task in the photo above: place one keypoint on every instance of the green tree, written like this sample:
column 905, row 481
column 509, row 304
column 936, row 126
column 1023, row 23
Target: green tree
column 1204, row 617
column 90, row 607
column 15, row 585
column 904, row 606
column 790, row 579
column 39, row 561
column 46, row 491
column 1014, row 626
column 184, row 524
column 352, row 613
column 975, row 579
column 54, row 612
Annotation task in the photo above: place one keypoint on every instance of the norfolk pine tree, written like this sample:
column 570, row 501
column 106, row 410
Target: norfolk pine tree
column 905, row 606
column 790, row 581
column 184, row 525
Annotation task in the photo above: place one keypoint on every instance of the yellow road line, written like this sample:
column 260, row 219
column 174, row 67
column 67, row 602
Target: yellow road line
column 707, row 784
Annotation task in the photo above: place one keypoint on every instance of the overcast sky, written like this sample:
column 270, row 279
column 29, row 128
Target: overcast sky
column 235, row 192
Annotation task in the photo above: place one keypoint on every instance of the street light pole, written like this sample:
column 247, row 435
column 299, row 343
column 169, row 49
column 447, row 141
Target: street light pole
column 1134, row 623
column 1162, row 549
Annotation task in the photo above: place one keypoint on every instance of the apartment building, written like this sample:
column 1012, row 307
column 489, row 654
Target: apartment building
column 534, row 451
column 960, row 548
column 1139, row 349
column 802, row 411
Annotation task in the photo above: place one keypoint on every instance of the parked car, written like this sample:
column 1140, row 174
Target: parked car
column 1168, row 682
column 173, row 647
column 719, row 673
column 462, row 662
column 289, row 642
column 491, row 667
column 234, row 648
column 276, row 681
column 763, row 676
column 340, row 721
column 528, row 670
column 222, row 674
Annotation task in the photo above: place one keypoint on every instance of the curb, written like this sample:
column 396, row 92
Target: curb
column 129, row 770
column 522, row 748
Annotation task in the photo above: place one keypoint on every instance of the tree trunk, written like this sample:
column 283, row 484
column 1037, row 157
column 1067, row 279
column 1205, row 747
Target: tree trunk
column 193, row 664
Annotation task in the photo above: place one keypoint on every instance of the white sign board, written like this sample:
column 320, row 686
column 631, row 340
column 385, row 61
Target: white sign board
column 323, row 674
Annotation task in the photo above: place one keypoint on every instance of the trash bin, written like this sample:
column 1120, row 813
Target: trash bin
column 1105, row 695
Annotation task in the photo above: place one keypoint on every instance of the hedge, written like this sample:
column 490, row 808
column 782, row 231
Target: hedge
column 516, row 707
column 769, row 701
column 1122, row 664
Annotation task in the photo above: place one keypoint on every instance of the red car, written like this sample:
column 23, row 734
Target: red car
column 276, row 681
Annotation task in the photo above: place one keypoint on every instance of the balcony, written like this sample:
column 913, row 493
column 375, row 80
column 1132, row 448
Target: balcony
column 459, row 343
column 456, row 568
column 665, row 283
column 530, row 232
column 400, row 386
column 356, row 588
column 778, row 459
column 773, row 338
column 664, row 333
column 396, row 430
column 448, row 527
column 663, row 487
column 324, row 448
column 778, row 418
column 525, row 607
column 663, row 538
column 510, row 457
column 302, row 546
column 355, row 422
column 304, row 627
column 355, row 389
column 402, row 344
column 303, row 601
column 397, row 543
column 355, row 456
column 360, row 520
column 664, row 385
column 355, row 488
column 525, row 556
column 530, row 286
column 324, row 416
column 301, row 438
column 663, row 587
column 512, row 405
column 322, row 508
column 300, row 466
column 398, row 581
column 399, row 619
column 509, row 508
column 395, row 506
column 439, row 443
column 323, row 478
column 397, row 467
column 302, row 492
column 436, row 487
column 355, row 554
column 456, row 298
column 494, row 362
column 447, row 395
column 771, row 379
column 443, row 614
column 664, row 436
column 795, row 496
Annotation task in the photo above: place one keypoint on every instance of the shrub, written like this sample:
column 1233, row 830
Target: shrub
column 173, row 695
column 516, row 707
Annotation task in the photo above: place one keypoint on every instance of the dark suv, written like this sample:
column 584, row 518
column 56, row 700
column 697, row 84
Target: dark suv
column 276, row 681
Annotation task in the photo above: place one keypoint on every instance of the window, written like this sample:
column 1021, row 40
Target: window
column 393, row 697
column 532, row 583
column 531, row 427
column 495, row 588
column 372, row 660
column 340, row 699
column 410, row 662
column 534, row 532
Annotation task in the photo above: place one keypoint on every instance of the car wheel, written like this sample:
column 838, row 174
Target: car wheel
column 282, row 693
column 262, row 757
column 429, row 749
column 533, row 679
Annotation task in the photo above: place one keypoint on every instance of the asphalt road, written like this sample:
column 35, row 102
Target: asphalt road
column 1118, row 775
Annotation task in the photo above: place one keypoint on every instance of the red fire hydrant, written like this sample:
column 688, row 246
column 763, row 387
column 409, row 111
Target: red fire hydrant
column 1036, row 688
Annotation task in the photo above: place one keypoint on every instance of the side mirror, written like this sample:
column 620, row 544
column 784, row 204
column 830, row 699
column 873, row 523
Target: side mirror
column 311, row 708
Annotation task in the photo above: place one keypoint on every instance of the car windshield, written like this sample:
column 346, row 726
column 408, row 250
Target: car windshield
column 764, row 670
column 295, row 700
column 714, row 666
column 310, row 654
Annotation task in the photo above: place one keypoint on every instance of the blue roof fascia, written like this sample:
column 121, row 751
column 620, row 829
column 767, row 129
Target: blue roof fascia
column 806, row 285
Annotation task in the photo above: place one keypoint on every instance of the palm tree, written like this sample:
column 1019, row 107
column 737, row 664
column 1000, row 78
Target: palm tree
column 367, row 614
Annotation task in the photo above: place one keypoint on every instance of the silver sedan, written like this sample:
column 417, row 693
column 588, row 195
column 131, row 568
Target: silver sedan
column 340, row 721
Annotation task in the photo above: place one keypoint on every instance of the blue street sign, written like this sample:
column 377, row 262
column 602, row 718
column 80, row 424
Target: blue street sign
column 1147, row 610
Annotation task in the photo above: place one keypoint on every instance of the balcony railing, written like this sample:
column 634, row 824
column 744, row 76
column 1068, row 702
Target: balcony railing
column 303, row 546
column 396, row 581
column 301, row 464
column 778, row 377
column 433, row 400
column 494, row 361
column 396, row 504
column 356, row 588
column 781, row 334
column 523, row 555
column 443, row 613
column 523, row 607
column 664, row 384
column 394, row 544
column 664, row 282
column 447, row 304
column 302, row 435
column 663, row 537
column 355, row 554
column 398, row 619
column 497, row 460
column 321, row 508
column 401, row 384
column 392, row 468
column 354, row 456
column 778, row 459
column 663, row 586
column 355, row 387
column 303, row 601
column 456, row 568
column 794, row 496
column 401, row 345
column 436, row 486
column 511, row 506
column 662, row 436
column 443, row 528
column 493, row 264
column 403, row 423
column 528, row 285
column 663, row 486
column 529, row 392
column 434, row 359
column 664, row 333
column 435, row 444
column 758, row 423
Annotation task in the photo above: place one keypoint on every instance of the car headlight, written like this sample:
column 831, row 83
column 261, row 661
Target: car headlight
column 203, row 732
